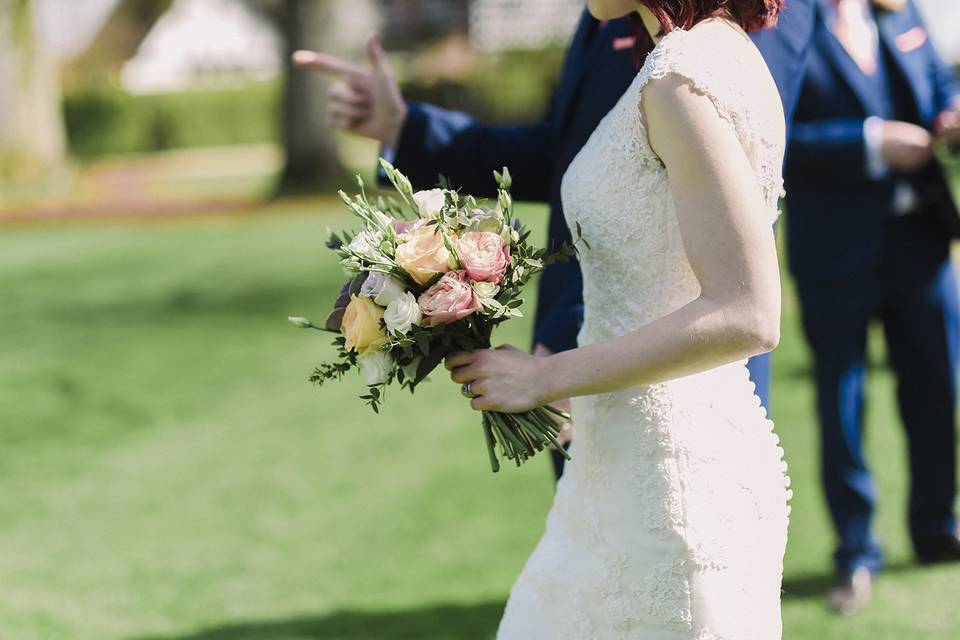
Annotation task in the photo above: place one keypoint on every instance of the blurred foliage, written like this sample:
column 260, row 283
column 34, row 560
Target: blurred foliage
column 513, row 86
column 102, row 121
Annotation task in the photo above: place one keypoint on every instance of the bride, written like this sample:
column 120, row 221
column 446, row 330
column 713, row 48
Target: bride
column 671, row 520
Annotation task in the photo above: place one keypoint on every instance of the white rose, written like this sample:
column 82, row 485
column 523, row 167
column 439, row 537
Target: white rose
column 429, row 203
column 402, row 313
column 375, row 366
column 486, row 289
column 391, row 290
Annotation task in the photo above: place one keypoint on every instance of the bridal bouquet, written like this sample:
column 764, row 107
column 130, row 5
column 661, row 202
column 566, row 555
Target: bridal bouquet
column 432, row 273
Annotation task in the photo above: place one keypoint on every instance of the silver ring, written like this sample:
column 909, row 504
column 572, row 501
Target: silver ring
column 467, row 391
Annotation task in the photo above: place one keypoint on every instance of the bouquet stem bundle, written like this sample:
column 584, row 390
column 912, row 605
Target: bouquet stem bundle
column 521, row 435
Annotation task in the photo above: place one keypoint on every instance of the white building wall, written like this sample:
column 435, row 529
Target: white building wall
column 497, row 25
column 943, row 22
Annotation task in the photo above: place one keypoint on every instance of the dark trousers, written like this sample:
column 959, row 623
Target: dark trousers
column 759, row 367
column 914, row 294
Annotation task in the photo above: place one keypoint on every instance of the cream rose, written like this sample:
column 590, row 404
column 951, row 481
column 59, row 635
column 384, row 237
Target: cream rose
column 430, row 203
column 375, row 366
column 452, row 298
column 484, row 255
column 424, row 255
column 402, row 313
column 361, row 325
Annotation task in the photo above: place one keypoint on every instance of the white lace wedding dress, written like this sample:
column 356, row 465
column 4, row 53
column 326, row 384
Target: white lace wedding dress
column 670, row 522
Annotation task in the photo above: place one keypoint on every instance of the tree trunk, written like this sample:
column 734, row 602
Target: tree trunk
column 334, row 26
column 32, row 143
column 116, row 42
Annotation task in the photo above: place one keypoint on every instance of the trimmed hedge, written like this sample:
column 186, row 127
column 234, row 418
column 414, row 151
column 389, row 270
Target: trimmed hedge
column 108, row 121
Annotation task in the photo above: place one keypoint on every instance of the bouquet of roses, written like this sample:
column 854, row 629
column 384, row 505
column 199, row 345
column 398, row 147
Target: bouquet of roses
column 432, row 273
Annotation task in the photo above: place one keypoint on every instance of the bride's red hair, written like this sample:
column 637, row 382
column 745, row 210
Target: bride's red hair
column 751, row 15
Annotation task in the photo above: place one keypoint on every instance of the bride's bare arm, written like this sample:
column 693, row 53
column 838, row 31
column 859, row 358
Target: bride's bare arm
column 729, row 243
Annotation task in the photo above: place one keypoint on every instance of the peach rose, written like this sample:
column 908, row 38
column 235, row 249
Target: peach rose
column 424, row 255
column 361, row 325
column 484, row 255
column 452, row 298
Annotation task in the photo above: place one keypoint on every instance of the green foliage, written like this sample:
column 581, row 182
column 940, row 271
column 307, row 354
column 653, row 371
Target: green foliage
column 102, row 121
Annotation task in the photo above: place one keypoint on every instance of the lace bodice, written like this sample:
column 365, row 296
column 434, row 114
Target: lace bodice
column 618, row 190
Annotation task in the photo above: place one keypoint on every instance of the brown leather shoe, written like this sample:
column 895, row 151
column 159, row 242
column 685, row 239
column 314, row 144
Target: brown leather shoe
column 852, row 592
column 947, row 551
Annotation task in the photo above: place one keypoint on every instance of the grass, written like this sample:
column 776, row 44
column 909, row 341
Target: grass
column 168, row 474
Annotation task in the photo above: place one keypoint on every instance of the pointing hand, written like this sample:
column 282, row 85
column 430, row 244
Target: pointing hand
column 363, row 100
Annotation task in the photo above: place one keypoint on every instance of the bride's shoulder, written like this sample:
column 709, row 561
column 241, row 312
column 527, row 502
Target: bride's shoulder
column 716, row 59
column 711, row 47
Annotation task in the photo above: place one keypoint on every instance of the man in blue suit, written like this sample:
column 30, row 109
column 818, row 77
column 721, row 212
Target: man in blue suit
column 423, row 140
column 865, row 202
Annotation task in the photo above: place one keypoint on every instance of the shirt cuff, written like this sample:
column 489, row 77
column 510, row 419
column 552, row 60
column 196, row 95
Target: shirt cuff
column 877, row 167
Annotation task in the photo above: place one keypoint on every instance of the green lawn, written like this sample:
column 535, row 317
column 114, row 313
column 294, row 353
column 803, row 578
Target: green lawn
column 167, row 473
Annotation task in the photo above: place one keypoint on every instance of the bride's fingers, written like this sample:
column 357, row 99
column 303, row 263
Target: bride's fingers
column 464, row 374
column 458, row 359
column 480, row 403
column 477, row 388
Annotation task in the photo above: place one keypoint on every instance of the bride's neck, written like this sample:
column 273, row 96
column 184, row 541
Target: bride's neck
column 650, row 23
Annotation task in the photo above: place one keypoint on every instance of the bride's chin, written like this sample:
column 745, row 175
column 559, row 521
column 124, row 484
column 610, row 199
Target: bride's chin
column 611, row 9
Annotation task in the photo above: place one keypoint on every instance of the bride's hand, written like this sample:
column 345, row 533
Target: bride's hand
column 503, row 379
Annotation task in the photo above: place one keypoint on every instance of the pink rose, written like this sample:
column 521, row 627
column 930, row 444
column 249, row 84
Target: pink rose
column 452, row 298
column 424, row 255
column 484, row 255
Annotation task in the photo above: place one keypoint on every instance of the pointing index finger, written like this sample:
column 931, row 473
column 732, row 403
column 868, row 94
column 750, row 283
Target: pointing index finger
column 325, row 63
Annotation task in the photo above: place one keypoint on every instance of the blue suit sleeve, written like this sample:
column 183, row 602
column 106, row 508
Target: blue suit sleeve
column 558, row 328
column 785, row 49
column 436, row 141
column 833, row 148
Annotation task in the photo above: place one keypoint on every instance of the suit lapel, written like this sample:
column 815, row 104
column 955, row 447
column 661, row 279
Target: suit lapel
column 889, row 30
column 837, row 54
column 587, row 46
column 575, row 64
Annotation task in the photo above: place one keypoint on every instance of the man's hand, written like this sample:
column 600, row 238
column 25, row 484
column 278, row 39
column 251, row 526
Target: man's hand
column 905, row 147
column 364, row 101
column 947, row 125
column 566, row 432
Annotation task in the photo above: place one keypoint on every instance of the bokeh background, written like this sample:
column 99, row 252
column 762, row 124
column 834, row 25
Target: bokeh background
column 166, row 471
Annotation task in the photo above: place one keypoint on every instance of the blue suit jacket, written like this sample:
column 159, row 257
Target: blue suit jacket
column 595, row 76
column 836, row 212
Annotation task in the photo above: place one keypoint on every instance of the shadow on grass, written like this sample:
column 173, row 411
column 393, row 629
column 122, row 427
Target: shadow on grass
column 438, row 622
column 816, row 585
